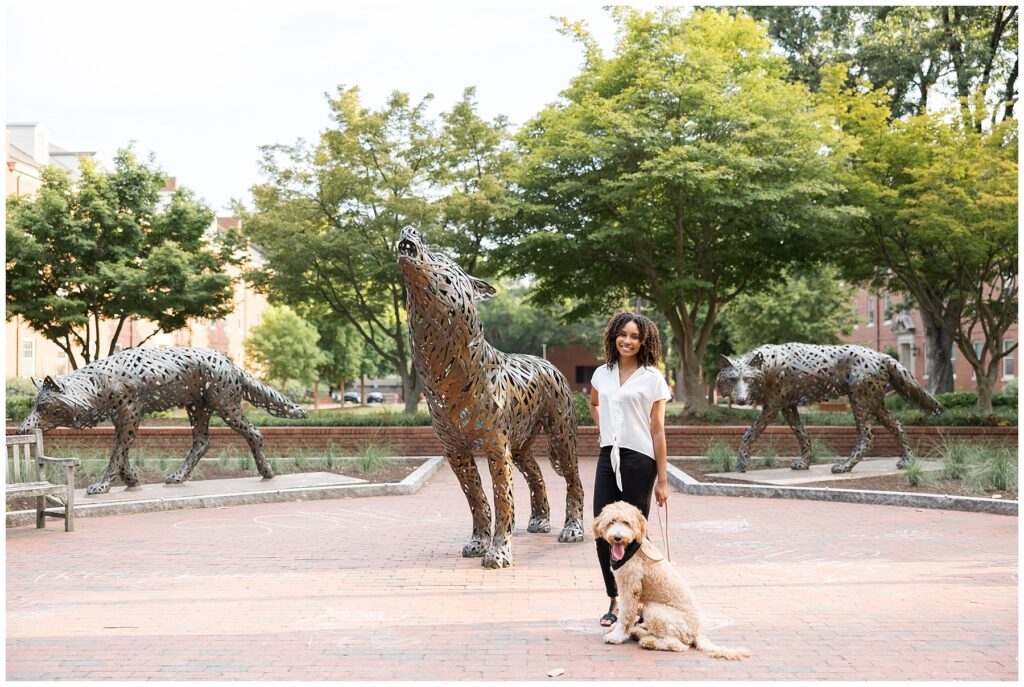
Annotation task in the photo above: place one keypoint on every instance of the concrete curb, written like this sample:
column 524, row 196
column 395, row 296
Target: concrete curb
column 410, row 485
column 688, row 485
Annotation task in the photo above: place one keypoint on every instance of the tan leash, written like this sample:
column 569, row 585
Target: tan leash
column 664, row 530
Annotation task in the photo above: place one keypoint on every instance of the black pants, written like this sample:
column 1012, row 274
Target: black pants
column 638, row 475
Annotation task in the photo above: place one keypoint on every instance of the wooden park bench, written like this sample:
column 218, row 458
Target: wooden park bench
column 25, row 463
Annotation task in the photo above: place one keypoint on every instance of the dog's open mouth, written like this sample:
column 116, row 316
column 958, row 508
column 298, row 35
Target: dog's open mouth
column 618, row 551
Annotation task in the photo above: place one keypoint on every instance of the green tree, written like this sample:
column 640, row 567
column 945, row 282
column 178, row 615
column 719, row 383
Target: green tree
column 344, row 201
column 476, row 158
column 938, row 220
column 105, row 248
column 918, row 53
column 514, row 326
column 684, row 170
column 809, row 307
column 285, row 346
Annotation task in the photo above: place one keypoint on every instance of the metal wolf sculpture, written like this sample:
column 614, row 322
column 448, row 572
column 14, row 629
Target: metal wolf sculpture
column 481, row 397
column 785, row 376
column 140, row 380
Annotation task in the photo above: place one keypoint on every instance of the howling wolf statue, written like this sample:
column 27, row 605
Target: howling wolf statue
column 129, row 384
column 480, row 397
column 785, row 376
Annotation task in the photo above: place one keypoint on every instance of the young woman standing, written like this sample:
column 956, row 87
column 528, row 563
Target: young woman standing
column 627, row 400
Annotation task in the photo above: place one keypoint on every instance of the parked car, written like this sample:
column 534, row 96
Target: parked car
column 375, row 397
column 351, row 396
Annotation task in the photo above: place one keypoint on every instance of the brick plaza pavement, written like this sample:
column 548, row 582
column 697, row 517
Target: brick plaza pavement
column 374, row 588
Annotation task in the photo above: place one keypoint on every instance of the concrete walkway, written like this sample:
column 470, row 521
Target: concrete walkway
column 786, row 476
column 374, row 588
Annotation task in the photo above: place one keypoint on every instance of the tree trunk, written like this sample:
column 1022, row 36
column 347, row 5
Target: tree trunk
column 362, row 389
column 316, row 393
column 693, row 383
column 939, row 346
column 411, row 389
column 984, row 385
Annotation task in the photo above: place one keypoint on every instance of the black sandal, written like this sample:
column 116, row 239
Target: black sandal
column 609, row 618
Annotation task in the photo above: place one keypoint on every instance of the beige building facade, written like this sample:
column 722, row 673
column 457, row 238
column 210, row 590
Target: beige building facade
column 29, row 354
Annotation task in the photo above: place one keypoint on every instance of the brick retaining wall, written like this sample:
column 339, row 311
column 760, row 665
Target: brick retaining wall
column 421, row 441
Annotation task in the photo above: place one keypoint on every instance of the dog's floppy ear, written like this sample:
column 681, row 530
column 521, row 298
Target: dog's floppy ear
column 641, row 526
column 598, row 525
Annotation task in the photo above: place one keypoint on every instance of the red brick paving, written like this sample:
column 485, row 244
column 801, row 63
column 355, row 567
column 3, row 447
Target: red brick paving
column 374, row 588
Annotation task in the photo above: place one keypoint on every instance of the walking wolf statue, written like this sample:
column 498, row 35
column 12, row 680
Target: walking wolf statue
column 129, row 384
column 785, row 376
column 480, row 397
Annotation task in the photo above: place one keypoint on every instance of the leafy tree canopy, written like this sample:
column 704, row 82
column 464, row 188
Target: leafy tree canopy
column 285, row 346
column 104, row 247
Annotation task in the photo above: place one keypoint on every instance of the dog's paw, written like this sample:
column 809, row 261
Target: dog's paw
column 174, row 478
column 840, row 468
column 903, row 462
column 475, row 547
column 539, row 524
column 616, row 636
column 800, row 465
column 572, row 532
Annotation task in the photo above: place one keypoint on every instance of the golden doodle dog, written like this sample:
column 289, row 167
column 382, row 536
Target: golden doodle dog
column 672, row 621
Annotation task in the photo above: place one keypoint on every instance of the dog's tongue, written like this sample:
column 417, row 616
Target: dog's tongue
column 618, row 551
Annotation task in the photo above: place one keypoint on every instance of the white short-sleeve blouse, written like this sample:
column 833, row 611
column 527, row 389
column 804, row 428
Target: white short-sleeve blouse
column 624, row 412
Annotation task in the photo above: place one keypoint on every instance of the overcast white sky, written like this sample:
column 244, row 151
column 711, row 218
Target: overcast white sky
column 203, row 85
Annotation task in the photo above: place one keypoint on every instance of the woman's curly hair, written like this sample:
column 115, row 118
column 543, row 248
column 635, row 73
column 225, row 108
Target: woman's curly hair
column 650, row 341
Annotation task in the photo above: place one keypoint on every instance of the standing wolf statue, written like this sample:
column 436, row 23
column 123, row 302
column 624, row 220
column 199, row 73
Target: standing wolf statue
column 480, row 397
column 785, row 376
column 127, row 385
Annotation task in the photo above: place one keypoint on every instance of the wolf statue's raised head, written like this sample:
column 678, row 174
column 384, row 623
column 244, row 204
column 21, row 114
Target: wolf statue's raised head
column 57, row 406
column 740, row 380
column 440, row 293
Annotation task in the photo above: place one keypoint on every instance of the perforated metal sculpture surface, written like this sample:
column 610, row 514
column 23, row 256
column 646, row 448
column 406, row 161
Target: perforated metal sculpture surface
column 482, row 398
column 782, row 377
column 129, row 384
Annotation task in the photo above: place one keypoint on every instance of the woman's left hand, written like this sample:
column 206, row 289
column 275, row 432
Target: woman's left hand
column 661, row 492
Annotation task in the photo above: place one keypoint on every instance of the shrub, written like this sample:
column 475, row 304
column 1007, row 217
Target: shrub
column 372, row 457
column 958, row 399
column 955, row 457
column 916, row 475
column 769, row 457
column 295, row 391
column 721, row 455
column 581, row 402
column 995, row 470
column 21, row 392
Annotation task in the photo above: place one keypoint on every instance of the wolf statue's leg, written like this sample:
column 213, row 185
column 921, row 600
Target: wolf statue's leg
column 562, row 440
column 234, row 419
column 862, row 412
column 796, row 423
column 499, row 460
column 751, row 435
column 894, row 426
column 465, row 470
column 199, row 418
column 540, row 514
column 126, row 427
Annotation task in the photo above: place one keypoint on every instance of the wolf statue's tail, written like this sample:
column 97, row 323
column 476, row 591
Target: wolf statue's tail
column 261, row 395
column 907, row 387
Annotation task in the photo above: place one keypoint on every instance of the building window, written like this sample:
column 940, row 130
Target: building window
column 584, row 373
column 927, row 362
column 1008, row 360
column 28, row 349
column 62, row 362
column 871, row 310
column 978, row 346
column 887, row 313
column 952, row 359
